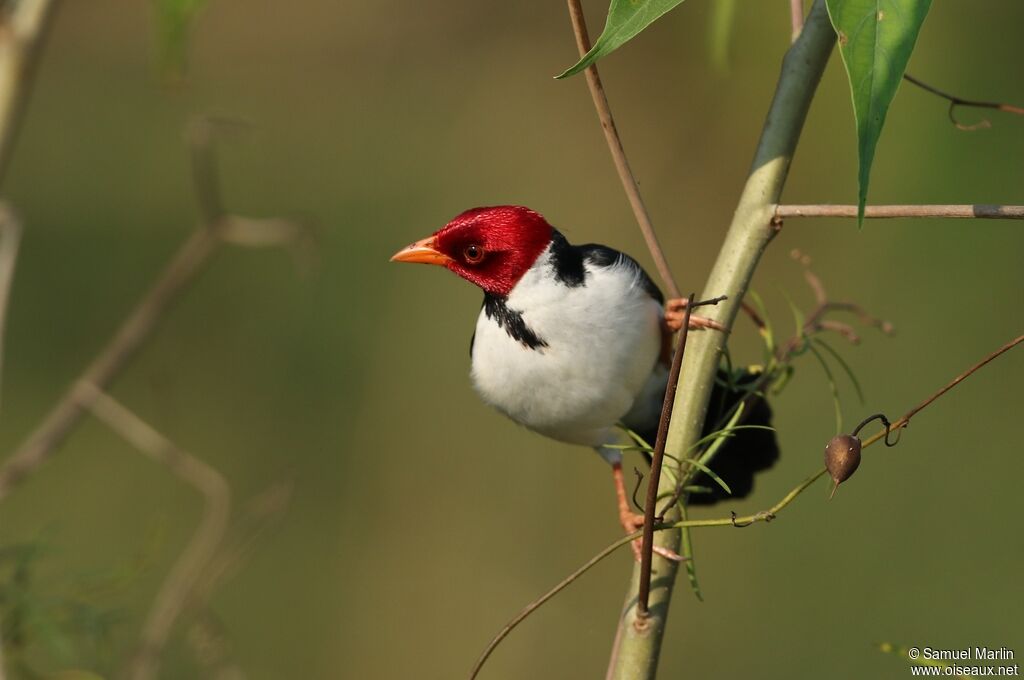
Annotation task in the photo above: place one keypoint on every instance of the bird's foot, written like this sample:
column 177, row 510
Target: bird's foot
column 675, row 312
column 633, row 522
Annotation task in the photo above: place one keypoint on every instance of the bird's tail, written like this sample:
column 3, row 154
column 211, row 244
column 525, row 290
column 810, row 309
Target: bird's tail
column 745, row 452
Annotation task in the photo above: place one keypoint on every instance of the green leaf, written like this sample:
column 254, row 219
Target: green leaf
column 710, row 473
column 798, row 315
column 686, row 553
column 766, row 334
column 831, row 386
column 626, row 18
column 845, row 366
column 876, row 38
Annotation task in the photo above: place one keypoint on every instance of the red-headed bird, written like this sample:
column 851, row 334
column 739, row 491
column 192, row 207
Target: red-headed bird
column 572, row 341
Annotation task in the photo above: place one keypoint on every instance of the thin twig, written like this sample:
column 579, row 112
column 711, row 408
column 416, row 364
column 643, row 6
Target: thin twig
column 22, row 31
column 905, row 420
column 955, row 101
column 766, row 515
column 611, row 136
column 981, row 211
column 796, row 18
column 176, row 590
column 10, row 239
column 205, row 635
column 533, row 606
column 650, row 507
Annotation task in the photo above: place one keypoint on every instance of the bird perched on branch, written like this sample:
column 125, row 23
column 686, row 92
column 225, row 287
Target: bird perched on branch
column 572, row 341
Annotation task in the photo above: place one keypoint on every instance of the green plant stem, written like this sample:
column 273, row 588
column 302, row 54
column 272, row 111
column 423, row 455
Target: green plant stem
column 638, row 642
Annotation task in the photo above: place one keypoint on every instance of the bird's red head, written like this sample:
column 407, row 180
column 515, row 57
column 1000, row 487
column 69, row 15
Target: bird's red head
column 491, row 247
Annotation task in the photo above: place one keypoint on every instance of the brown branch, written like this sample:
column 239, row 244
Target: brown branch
column 10, row 239
column 796, row 18
column 533, row 606
column 980, row 211
column 611, row 136
column 905, row 420
column 955, row 101
column 650, row 506
column 177, row 588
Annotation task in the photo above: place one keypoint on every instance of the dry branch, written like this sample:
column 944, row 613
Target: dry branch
column 982, row 211
column 611, row 135
column 955, row 101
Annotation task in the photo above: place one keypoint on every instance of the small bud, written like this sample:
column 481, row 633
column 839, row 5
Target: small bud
column 842, row 456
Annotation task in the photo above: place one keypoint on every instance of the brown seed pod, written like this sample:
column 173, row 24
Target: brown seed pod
column 842, row 456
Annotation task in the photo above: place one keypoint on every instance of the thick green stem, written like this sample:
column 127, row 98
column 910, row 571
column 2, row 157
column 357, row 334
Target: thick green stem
column 638, row 642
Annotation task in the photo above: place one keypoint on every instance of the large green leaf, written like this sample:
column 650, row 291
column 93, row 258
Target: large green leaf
column 876, row 38
column 626, row 18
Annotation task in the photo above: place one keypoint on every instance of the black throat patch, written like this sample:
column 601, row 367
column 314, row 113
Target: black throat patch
column 512, row 321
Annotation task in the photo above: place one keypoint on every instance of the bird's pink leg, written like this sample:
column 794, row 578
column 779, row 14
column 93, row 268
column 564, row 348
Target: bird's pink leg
column 675, row 310
column 631, row 521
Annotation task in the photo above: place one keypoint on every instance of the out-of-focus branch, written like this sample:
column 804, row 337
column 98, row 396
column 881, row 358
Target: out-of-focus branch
column 22, row 30
column 184, row 267
column 206, row 636
column 177, row 589
column 10, row 239
column 981, row 211
column 134, row 331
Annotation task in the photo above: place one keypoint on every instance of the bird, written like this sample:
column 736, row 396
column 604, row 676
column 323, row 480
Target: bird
column 574, row 342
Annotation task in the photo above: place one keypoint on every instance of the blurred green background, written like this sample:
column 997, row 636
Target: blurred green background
column 420, row 520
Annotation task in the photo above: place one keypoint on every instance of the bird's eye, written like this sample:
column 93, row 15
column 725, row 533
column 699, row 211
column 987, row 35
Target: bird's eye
column 473, row 253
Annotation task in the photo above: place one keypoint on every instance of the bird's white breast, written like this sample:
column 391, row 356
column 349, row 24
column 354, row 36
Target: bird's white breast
column 602, row 341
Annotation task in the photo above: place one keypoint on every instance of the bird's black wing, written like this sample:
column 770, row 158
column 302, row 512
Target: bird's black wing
column 742, row 455
column 603, row 256
column 569, row 260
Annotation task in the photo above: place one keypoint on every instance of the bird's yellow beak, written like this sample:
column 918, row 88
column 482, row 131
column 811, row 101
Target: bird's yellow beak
column 424, row 251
